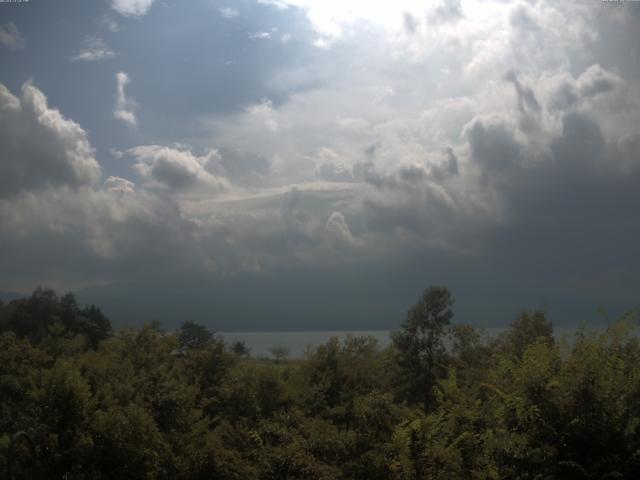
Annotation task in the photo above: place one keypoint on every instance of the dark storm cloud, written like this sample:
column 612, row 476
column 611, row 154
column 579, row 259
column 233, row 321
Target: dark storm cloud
column 493, row 147
column 568, row 217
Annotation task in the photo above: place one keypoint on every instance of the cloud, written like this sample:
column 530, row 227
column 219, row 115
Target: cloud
column 39, row 146
column 595, row 82
column 60, row 226
column 527, row 102
column 10, row 37
column 229, row 12
column 410, row 22
column 132, row 8
column 112, row 25
column 329, row 167
column 70, row 238
column 259, row 35
column 340, row 232
column 494, row 146
column 119, row 185
column 125, row 107
column 178, row 169
column 465, row 150
column 95, row 49
column 446, row 11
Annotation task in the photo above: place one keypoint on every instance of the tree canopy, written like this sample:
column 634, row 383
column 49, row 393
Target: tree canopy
column 442, row 401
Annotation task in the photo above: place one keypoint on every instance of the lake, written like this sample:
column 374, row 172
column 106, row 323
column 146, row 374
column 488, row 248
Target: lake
column 297, row 342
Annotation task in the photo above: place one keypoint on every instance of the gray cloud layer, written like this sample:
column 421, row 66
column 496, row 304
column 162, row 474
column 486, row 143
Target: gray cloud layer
column 496, row 148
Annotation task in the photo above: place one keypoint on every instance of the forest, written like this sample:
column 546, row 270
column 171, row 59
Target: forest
column 443, row 401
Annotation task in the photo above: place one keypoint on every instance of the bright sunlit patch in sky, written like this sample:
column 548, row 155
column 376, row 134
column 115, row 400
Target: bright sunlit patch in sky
column 330, row 17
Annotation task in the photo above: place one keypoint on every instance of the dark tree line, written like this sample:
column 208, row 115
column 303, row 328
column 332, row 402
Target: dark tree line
column 44, row 314
column 443, row 401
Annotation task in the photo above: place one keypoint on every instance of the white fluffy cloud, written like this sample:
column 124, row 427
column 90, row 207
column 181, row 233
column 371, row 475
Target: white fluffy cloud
column 179, row 169
column 10, row 36
column 119, row 185
column 132, row 8
column 39, row 147
column 125, row 107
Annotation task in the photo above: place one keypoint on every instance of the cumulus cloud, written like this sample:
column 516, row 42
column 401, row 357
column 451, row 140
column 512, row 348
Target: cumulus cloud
column 10, row 37
column 446, row 11
column 60, row 226
column 119, row 185
column 125, row 107
column 132, row 8
column 178, row 169
column 39, row 146
column 569, row 92
column 95, row 49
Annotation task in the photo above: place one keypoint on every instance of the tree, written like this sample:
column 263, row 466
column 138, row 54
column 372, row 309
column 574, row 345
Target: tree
column 194, row 335
column 279, row 352
column 43, row 315
column 240, row 349
column 420, row 351
column 527, row 329
column 30, row 317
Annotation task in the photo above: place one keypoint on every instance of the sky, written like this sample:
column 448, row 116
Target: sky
column 316, row 164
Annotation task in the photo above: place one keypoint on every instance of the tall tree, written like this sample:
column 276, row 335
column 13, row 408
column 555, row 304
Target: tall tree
column 527, row 329
column 420, row 351
column 194, row 335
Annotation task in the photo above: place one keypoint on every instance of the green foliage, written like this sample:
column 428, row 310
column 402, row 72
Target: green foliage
column 194, row 335
column 135, row 405
column 240, row 349
column 421, row 355
column 525, row 330
column 279, row 352
column 43, row 314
